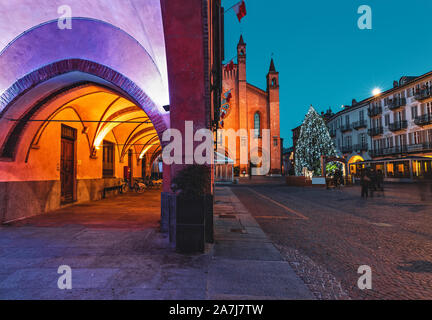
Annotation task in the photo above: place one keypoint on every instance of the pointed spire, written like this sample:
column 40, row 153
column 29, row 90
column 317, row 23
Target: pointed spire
column 241, row 41
column 272, row 66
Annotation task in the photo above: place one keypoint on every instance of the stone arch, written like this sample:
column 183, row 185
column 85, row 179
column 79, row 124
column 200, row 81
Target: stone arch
column 42, row 127
column 326, row 159
column 99, row 42
column 125, row 86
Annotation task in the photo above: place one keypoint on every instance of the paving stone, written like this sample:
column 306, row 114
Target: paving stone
column 392, row 234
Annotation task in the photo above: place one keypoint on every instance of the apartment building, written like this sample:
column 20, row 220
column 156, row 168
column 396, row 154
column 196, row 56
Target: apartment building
column 401, row 128
column 390, row 131
column 349, row 131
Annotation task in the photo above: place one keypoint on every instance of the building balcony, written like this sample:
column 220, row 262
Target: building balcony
column 346, row 127
column 360, row 124
column 361, row 147
column 388, row 151
column 347, row 149
column 405, row 149
column 376, row 153
column 423, row 94
column 375, row 131
column 397, row 103
column 423, row 119
column 398, row 125
column 374, row 111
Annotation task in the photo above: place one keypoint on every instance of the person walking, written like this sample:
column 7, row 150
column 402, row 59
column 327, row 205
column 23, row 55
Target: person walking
column 338, row 178
column 335, row 179
column 372, row 182
column 380, row 180
column 364, row 182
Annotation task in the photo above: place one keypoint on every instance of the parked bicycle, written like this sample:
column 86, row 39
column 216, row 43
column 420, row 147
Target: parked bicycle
column 150, row 183
column 124, row 186
column 139, row 186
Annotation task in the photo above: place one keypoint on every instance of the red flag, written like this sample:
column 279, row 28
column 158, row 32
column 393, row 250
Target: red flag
column 240, row 10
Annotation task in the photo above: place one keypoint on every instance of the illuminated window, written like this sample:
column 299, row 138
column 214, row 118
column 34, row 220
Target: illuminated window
column 390, row 169
column 257, row 124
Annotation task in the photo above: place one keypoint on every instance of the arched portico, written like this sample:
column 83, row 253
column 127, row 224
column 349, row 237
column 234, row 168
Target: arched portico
column 95, row 82
column 119, row 52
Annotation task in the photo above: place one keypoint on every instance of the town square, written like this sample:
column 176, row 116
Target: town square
column 215, row 150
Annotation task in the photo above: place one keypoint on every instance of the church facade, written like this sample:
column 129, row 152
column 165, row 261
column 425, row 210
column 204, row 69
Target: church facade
column 249, row 107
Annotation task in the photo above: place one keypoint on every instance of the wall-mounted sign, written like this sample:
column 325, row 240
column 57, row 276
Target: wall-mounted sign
column 225, row 107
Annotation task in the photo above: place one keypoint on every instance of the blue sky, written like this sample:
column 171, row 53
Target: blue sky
column 323, row 58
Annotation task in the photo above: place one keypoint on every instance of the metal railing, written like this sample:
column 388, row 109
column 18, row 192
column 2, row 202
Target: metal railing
column 347, row 149
column 423, row 119
column 409, row 148
column 398, row 125
column 361, row 147
column 397, row 103
column 423, row 94
column 359, row 124
column 374, row 111
column 346, row 127
column 375, row 131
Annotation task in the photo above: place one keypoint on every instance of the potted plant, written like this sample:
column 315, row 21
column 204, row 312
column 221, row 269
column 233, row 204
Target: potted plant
column 194, row 208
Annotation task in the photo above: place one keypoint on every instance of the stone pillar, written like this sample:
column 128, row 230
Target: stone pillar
column 411, row 170
column 187, row 61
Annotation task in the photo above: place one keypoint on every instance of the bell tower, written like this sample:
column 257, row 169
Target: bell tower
column 242, row 102
column 274, row 121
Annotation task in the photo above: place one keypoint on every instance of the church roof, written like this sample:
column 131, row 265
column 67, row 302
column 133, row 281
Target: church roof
column 256, row 89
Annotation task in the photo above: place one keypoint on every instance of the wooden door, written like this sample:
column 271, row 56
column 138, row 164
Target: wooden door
column 67, row 164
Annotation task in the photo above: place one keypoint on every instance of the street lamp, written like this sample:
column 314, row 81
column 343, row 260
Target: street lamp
column 376, row 91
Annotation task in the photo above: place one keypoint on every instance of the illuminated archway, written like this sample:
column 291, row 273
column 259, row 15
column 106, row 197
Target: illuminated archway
column 106, row 125
column 352, row 167
column 355, row 159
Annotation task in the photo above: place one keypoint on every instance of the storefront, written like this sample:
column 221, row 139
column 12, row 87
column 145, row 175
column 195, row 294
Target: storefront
column 223, row 169
column 400, row 169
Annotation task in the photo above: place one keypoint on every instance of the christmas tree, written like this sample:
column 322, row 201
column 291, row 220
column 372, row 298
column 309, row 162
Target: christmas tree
column 314, row 141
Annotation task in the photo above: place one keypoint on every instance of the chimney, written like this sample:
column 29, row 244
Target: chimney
column 395, row 84
column 354, row 101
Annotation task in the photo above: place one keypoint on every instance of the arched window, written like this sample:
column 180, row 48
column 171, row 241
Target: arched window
column 257, row 124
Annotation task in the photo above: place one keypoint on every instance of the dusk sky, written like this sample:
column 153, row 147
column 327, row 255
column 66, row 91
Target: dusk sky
column 324, row 59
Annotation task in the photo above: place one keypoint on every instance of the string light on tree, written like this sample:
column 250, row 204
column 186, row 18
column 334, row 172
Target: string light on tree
column 314, row 141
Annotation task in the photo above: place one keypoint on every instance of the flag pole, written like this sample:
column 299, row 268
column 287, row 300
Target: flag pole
column 232, row 58
column 231, row 7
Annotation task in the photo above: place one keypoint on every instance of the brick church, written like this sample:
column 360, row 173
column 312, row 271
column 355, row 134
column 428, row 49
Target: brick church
column 253, row 109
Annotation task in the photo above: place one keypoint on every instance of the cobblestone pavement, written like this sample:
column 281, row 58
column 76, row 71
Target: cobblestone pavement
column 327, row 234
